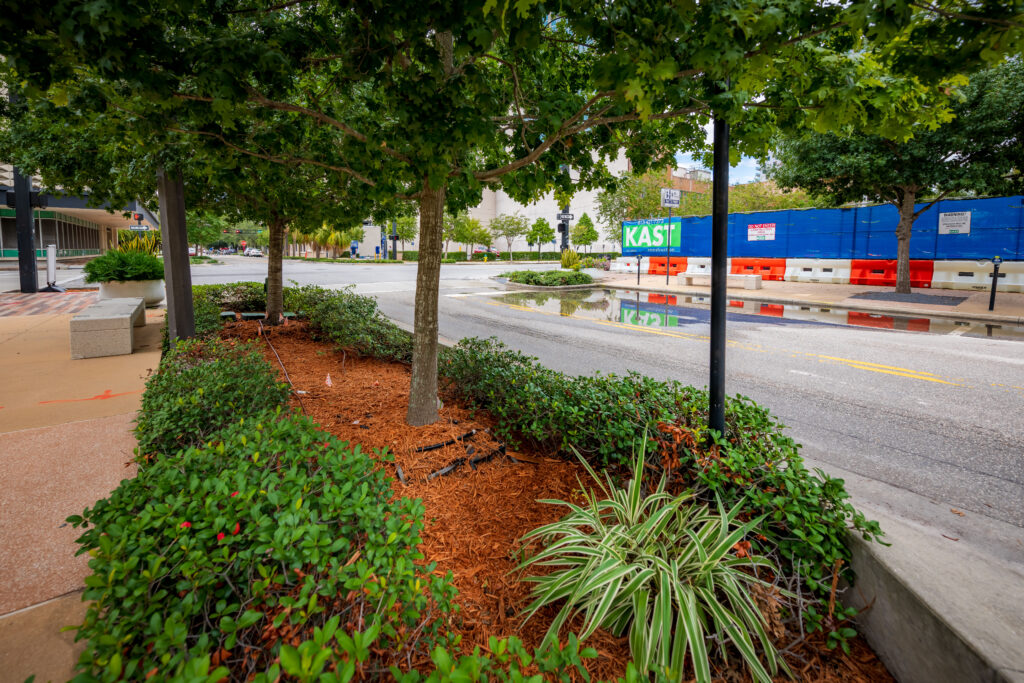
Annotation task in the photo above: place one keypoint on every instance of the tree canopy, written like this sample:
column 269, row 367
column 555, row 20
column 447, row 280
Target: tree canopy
column 584, row 233
column 979, row 152
column 540, row 233
column 432, row 102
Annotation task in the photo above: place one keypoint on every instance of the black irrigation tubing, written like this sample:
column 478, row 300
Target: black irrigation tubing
column 447, row 470
column 263, row 333
column 449, row 442
column 459, row 462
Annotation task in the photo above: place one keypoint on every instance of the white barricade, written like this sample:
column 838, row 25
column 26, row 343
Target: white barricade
column 834, row 271
column 700, row 266
column 624, row 264
column 977, row 275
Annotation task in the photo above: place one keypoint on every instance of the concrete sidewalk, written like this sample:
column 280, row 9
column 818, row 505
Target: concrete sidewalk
column 65, row 442
column 1009, row 307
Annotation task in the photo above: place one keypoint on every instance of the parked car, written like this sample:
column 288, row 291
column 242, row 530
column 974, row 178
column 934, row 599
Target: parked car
column 487, row 250
column 253, row 251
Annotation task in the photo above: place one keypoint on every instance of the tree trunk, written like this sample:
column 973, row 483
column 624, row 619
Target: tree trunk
column 906, row 208
column 423, row 387
column 275, row 287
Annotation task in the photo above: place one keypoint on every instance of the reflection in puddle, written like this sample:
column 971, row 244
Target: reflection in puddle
column 648, row 309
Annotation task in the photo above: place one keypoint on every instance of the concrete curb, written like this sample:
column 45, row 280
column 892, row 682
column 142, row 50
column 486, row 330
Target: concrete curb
column 954, row 625
column 743, row 295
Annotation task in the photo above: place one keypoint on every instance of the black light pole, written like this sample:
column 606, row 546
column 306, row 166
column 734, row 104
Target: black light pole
column 719, row 235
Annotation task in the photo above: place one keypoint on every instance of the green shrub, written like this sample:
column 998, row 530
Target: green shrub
column 605, row 418
column 350, row 321
column 270, row 525
column 201, row 386
column 241, row 297
column 570, row 260
column 124, row 266
column 549, row 278
column 516, row 256
column 656, row 566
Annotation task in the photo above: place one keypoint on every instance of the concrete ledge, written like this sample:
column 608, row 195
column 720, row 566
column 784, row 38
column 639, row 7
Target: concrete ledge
column 936, row 611
column 731, row 280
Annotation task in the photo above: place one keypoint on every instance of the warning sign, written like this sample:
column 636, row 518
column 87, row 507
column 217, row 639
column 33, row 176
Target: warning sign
column 760, row 232
column 955, row 223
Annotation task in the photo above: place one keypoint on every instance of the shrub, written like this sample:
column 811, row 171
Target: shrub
column 202, row 386
column 658, row 567
column 217, row 556
column 548, row 278
column 352, row 322
column 605, row 419
column 241, row 297
column 124, row 266
column 570, row 260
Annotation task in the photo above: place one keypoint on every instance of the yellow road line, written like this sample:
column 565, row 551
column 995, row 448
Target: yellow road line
column 875, row 365
column 848, row 362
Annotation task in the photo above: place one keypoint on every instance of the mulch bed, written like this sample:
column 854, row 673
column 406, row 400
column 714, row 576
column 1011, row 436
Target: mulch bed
column 475, row 513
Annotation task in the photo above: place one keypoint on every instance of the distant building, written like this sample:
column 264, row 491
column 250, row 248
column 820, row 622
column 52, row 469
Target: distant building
column 75, row 228
column 496, row 202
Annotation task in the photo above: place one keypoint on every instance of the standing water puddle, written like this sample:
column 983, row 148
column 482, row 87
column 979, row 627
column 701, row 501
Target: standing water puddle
column 648, row 309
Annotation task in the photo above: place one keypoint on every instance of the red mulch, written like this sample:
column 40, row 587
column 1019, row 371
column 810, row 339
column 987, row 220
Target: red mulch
column 474, row 517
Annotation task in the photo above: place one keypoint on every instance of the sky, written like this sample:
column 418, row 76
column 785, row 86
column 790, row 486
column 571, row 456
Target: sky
column 743, row 172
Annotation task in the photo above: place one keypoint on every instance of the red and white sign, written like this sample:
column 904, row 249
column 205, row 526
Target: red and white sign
column 242, row 243
column 760, row 232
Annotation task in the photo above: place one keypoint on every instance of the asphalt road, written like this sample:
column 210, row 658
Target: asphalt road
column 924, row 426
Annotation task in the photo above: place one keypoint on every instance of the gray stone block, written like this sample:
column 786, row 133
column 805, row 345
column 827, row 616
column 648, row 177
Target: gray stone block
column 107, row 328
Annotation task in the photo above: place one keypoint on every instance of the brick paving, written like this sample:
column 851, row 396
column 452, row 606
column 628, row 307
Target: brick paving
column 45, row 303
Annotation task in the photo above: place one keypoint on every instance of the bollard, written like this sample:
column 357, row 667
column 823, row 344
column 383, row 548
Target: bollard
column 996, row 260
column 51, row 270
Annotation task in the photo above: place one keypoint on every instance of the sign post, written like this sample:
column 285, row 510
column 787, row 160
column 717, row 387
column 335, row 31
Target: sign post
column 669, row 198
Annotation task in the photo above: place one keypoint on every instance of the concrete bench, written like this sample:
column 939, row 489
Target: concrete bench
column 731, row 280
column 107, row 328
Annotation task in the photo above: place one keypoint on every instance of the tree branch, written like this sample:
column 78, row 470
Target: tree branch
column 930, row 7
column 285, row 161
column 942, row 195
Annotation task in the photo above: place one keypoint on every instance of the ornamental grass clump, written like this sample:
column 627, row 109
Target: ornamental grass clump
column 657, row 567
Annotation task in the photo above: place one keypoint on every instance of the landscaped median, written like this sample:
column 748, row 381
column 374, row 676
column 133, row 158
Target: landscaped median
column 302, row 530
column 548, row 278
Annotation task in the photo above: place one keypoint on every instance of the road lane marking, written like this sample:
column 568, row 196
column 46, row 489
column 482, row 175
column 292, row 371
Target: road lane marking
column 885, row 369
column 893, row 370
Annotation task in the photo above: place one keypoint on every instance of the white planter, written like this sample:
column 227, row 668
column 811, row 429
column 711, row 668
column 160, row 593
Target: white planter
column 150, row 290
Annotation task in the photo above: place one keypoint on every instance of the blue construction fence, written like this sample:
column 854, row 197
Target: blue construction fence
column 996, row 228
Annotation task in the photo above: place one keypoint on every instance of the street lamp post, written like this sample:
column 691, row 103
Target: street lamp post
column 719, row 235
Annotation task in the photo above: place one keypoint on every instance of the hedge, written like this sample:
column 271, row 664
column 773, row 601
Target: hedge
column 516, row 256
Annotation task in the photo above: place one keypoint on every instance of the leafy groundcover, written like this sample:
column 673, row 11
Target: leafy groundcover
column 265, row 548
